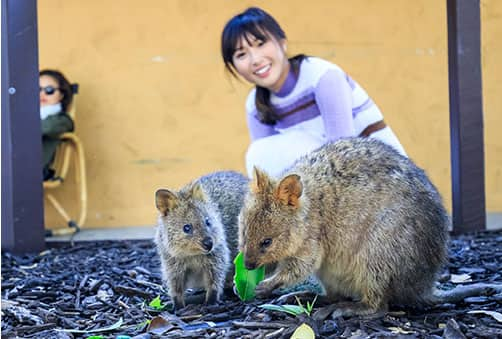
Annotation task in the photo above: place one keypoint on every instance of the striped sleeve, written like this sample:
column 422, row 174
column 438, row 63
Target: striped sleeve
column 333, row 96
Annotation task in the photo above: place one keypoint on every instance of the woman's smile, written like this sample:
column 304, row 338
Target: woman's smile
column 264, row 71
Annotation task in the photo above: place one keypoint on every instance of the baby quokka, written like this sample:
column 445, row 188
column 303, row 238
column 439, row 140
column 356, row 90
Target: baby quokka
column 196, row 235
column 358, row 215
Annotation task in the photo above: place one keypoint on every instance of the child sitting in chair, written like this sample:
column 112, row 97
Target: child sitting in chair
column 55, row 98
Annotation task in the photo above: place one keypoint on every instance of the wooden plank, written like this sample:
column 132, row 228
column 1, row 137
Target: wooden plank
column 466, row 116
column 22, row 195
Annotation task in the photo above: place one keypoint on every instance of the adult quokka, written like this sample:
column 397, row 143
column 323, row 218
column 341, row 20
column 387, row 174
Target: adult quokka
column 361, row 217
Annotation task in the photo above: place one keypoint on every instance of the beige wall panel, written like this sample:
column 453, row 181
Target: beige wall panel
column 491, row 15
column 156, row 108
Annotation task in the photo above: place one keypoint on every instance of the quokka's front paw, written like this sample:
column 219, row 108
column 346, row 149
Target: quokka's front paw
column 178, row 303
column 264, row 289
column 211, row 297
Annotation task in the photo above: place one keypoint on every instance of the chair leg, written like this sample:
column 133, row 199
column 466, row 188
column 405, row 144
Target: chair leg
column 58, row 207
column 73, row 226
column 81, row 179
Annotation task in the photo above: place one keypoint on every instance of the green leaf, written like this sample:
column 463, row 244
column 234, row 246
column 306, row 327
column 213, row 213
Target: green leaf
column 245, row 280
column 294, row 309
column 291, row 309
column 95, row 337
column 156, row 303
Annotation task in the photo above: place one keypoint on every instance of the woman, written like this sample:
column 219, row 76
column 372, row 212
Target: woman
column 299, row 103
column 55, row 97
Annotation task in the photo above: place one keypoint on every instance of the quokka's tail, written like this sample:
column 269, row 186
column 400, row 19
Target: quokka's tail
column 461, row 292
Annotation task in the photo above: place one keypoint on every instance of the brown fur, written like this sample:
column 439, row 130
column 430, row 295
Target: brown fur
column 361, row 217
column 209, row 207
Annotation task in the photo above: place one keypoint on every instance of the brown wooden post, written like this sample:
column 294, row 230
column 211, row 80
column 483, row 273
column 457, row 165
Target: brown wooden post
column 22, row 195
column 466, row 115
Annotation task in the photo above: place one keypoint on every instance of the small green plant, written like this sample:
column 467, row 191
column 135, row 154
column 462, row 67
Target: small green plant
column 292, row 309
column 310, row 305
column 157, row 304
column 246, row 280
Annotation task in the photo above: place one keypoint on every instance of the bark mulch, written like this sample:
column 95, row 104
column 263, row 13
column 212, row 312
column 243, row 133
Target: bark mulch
column 105, row 290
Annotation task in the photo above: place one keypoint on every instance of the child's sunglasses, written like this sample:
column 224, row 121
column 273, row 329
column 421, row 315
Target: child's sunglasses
column 49, row 90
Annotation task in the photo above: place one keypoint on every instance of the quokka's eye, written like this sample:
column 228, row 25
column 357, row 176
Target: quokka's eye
column 208, row 222
column 187, row 228
column 266, row 243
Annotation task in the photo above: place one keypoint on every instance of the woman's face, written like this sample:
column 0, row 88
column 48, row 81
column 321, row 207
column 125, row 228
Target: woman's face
column 49, row 85
column 263, row 63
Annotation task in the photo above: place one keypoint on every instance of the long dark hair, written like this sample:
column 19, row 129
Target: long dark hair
column 64, row 86
column 258, row 23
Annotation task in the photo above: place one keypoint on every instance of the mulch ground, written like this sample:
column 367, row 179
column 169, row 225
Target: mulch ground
column 104, row 290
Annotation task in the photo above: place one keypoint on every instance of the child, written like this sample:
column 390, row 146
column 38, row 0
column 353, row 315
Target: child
column 55, row 97
column 299, row 103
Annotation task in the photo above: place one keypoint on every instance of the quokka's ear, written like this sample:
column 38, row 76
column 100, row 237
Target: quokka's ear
column 289, row 190
column 260, row 180
column 197, row 192
column 165, row 201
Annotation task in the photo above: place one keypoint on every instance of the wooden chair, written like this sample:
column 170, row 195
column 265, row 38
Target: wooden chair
column 70, row 153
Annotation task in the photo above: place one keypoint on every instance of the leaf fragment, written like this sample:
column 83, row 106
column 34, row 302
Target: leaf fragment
column 303, row 331
column 460, row 278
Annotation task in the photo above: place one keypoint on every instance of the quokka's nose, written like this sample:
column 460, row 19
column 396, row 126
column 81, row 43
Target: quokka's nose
column 207, row 243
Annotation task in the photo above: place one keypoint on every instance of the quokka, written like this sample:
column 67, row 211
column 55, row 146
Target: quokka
column 197, row 231
column 362, row 218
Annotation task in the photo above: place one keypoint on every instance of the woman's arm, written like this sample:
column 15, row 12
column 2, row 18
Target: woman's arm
column 55, row 125
column 257, row 129
column 333, row 96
